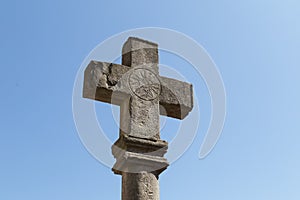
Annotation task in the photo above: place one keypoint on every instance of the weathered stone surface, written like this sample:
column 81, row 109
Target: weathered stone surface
column 140, row 111
column 143, row 112
column 137, row 52
column 140, row 186
column 101, row 81
column 142, row 96
column 139, row 145
column 136, row 155
column 176, row 98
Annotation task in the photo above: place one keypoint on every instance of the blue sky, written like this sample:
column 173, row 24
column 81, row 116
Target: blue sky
column 255, row 45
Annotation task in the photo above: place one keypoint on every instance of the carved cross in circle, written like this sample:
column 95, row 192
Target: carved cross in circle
column 144, row 84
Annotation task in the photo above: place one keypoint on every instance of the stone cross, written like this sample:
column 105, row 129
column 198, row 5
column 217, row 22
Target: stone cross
column 142, row 95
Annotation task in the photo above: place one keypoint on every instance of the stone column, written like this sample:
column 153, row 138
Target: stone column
column 140, row 162
column 138, row 186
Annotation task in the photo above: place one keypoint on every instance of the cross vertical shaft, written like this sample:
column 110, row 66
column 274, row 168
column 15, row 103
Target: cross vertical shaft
column 142, row 57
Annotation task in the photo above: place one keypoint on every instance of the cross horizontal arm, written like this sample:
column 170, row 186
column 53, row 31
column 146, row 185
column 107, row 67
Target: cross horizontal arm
column 101, row 81
column 176, row 98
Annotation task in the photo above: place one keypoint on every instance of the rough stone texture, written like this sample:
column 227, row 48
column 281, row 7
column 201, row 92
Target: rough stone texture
column 137, row 155
column 137, row 52
column 139, row 145
column 101, row 81
column 142, row 118
column 143, row 112
column 137, row 186
column 176, row 98
column 142, row 96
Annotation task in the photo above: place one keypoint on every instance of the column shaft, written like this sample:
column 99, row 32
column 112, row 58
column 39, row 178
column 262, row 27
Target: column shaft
column 140, row 186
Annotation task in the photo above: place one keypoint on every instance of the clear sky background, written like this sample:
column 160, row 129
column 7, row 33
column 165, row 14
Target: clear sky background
column 256, row 46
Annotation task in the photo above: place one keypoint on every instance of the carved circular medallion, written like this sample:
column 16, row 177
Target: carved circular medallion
column 144, row 84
